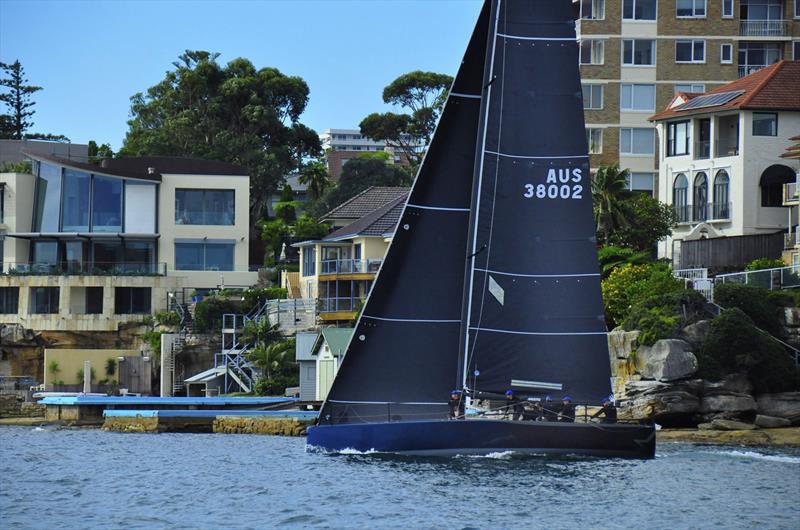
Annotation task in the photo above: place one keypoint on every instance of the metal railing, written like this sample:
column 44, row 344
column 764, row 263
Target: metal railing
column 720, row 211
column 696, row 213
column 702, row 150
column 690, row 274
column 763, row 28
column 84, row 269
column 790, row 192
column 778, row 278
column 748, row 69
column 700, row 212
column 331, row 305
column 726, row 148
column 791, row 240
column 682, row 212
column 348, row 266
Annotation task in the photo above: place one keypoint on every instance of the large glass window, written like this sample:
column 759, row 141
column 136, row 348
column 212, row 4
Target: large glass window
column 680, row 197
column 43, row 300
column 638, row 52
column 637, row 97
column 594, row 139
column 756, row 55
column 132, row 300
column 642, row 182
column 592, row 96
column 721, row 208
column 140, row 256
column 691, row 88
column 204, row 256
column 700, row 197
column 691, row 8
column 107, row 205
column 45, row 252
column 94, row 301
column 107, row 255
column 9, row 300
column 593, row 9
column 678, row 138
column 591, row 51
column 75, row 204
column 309, row 261
column 639, row 9
column 761, row 10
column 74, row 255
column 727, row 8
column 48, row 199
column 637, row 141
column 204, row 207
column 140, row 207
column 765, row 124
column 690, row 51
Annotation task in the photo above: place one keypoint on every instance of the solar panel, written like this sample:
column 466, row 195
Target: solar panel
column 710, row 100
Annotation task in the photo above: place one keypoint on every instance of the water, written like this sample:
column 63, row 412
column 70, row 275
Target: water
column 59, row 478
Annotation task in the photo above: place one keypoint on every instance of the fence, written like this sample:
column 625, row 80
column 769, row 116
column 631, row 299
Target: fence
column 726, row 252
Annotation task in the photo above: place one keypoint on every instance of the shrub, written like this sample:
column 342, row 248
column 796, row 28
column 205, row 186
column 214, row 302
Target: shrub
column 663, row 316
column 256, row 297
column 733, row 345
column 755, row 302
column 612, row 257
column 208, row 312
column 764, row 263
column 631, row 284
column 92, row 375
column 111, row 366
column 169, row 319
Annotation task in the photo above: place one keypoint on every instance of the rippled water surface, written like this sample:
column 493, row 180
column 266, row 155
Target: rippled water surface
column 51, row 478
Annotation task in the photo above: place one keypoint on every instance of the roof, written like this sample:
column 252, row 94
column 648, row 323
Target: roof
column 146, row 167
column 365, row 202
column 771, row 88
column 377, row 224
column 337, row 339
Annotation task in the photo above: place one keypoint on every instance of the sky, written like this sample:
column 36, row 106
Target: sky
column 92, row 56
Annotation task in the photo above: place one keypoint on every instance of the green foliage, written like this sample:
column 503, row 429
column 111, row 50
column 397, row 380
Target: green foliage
column 111, row 366
column 733, row 345
column 16, row 167
column 54, row 368
column 306, row 228
column 255, row 297
column 631, row 284
column 377, row 155
column 153, row 341
column 609, row 191
column 92, row 375
column 663, row 316
column 274, row 233
column 98, row 153
column 287, row 211
column 764, row 263
column 612, row 257
column 17, row 98
column 650, row 222
column 755, row 302
column 208, row 312
column 169, row 319
column 235, row 113
column 315, row 175
column 276, row 362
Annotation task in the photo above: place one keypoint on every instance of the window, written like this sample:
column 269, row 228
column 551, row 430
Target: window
column 591, row 51
column 204, row 207
column 636, row 52
column 45, row 252
column 94, row 301
column 637, row 97
column 592, row 96
column 765, row 124
column 48, row 199
column 9, row 300
column 43, row 300
column 726, row 54
column 204, row 255
column 593, row 9
column 637, row 141
column 700, row 197
column 594, row 139
column 639, row 9
column 680, row 197
column 107, row 205
column 727, row 8
column 755, row 55
column 75, row 203
column 796, row 8
column 678, row 138
column 309, row 261
column 796, row 48
column 132, row 300
column 641, row 182
column 140, row 207
column 691, row 8
column 720, row 208
column 690, row 88
column 2, row 203
column 690, row 51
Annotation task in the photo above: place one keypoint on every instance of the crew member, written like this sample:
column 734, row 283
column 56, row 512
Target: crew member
column 456, row 404
column 514, row 407
column 550, row 412
column 609, row 411
column 567, row 412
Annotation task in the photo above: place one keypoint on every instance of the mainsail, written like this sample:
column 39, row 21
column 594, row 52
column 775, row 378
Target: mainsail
column 403, row 356
column 533, row 313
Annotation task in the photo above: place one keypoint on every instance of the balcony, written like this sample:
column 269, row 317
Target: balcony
column 726, row 148
column 748, row 69
column 702, row 150
column 337, row 305
column 720, row 211
column 698, row 213
column 763, row 28
column 790, row 241
column 84, row 269
column 682, row 213
column 350, row 266
column 790, row 195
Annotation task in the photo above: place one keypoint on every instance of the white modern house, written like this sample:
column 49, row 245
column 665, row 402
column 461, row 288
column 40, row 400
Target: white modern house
column 720, row 162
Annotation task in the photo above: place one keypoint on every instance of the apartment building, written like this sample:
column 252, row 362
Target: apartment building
column 636, row 55
column 88, row 247
column 340, row 145
column 721, row 163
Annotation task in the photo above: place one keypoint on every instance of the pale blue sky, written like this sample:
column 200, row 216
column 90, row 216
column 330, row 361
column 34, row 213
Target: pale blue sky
column 91, row 56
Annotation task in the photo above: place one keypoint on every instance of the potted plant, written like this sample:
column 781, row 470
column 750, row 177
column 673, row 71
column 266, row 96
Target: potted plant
column 195, row 297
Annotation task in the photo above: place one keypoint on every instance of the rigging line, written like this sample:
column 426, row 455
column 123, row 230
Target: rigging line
column 463, row 95
column 521, row 37
column 488, row 245
column 476, row 253
column 421, row 320
column 539, row 275
column 487, row 102
column 387, row 402
column 559, row 333
column 526, row 157
column 438, row 208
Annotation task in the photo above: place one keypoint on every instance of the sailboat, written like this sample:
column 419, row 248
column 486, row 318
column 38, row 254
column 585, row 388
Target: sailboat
column 491, row 281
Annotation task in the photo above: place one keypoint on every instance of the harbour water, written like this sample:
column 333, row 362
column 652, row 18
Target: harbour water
column 61, row 478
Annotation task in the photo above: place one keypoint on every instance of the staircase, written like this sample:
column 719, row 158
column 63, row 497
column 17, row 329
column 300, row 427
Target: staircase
column 186, row 327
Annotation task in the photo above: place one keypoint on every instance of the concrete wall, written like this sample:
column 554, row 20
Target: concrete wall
column 11, row 150
column 17, row 216
column 70, row 361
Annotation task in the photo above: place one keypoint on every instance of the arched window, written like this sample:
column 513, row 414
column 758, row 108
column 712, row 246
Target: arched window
column 721, row 208
column 680, row 199
column 700, row 197
column 772, row 180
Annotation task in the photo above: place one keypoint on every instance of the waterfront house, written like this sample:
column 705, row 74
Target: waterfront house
column 720, row 164
column 339, row 269
column 87, row 247
column 328, row 351
column 307, row 364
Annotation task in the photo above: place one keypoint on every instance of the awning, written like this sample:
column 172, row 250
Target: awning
column 81, row 235
column 777, row 174
column 207, row 376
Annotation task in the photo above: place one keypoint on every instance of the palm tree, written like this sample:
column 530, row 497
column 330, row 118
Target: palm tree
column 315, row 176
column 609, row 191
column 270, row 357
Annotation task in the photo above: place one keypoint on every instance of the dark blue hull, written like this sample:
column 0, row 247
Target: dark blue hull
column 443, row 437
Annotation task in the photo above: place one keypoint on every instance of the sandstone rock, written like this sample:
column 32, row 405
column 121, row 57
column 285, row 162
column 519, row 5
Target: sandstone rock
column 771, row 422
column 791, row 316
column 730, row 425
column 666, row 360
column 705, row 426
column 734, row 383
column 735, row 403
column 783, row 405
column 695, row 334
column 621, row 343
column 668, row 404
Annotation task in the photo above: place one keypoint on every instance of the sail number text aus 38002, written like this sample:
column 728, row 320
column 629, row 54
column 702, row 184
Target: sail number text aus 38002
column 561, row 184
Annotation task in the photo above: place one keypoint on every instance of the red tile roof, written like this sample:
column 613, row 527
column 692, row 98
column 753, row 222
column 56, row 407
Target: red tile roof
column 365, row 203
column 772, row 88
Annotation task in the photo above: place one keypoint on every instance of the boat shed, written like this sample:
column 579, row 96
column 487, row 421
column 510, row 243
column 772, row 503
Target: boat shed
column 328, row 350
column 308, row 364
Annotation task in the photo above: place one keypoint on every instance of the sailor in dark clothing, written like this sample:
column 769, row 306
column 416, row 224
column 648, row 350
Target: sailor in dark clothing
column 609, row 411
column 550, row 412
column 514, row 407
column 567, row 412
column 456, row 404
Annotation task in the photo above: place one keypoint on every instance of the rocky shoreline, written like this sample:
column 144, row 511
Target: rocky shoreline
column 785, row 437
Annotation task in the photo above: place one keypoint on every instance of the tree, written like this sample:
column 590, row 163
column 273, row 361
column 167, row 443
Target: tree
column 98, row 152
column 650, row 222
column 17, row 99
column 315, row 175
column 234, row 113
column 609, row 191
column 423, row 94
